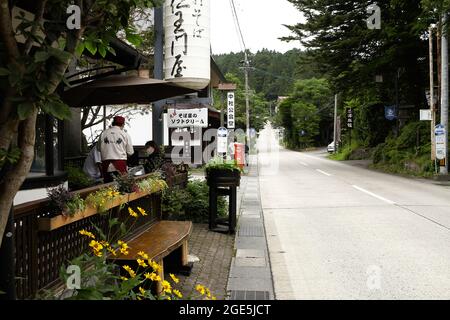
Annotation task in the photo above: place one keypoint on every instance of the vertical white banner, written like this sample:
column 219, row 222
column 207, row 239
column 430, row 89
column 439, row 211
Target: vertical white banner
column 187, row 42
column 230, row 111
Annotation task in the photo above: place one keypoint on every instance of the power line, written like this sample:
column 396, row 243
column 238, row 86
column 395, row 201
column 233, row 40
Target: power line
column 236, row 21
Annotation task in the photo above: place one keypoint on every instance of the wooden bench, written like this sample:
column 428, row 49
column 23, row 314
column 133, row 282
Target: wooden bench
column 161, row 239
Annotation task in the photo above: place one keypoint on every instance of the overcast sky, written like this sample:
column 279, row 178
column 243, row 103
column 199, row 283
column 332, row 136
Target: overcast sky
column 261, row 23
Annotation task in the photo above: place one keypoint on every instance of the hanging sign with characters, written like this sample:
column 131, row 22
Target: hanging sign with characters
column 230, row 110
column 182, row 118
column 350, row 118
column 187, row 43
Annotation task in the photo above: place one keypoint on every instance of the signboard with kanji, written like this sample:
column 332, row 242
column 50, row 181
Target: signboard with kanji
column 187, row 42
column 230, row 111
column 182, row 118
column 350, row 118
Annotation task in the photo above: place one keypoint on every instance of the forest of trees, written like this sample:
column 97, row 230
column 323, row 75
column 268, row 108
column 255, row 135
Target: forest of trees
column 273, row 75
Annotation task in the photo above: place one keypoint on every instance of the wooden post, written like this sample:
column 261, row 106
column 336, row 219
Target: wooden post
column 159, row 287
column 232, row 209
column 212, row 206
column 184, row 253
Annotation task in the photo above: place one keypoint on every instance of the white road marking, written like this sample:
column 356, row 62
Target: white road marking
column 373, row 194
column 323, row 172
column 304, row 164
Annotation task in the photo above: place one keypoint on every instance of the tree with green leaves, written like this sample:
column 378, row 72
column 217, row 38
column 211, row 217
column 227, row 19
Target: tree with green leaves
column 33, row 60
column 308, row 108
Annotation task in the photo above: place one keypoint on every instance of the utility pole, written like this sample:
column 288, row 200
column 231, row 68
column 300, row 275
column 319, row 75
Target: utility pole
column 335, row 122
column 432, row 108
column 444, row 89
column 247, row 101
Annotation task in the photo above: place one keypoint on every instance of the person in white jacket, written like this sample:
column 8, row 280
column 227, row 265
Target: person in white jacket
column 115, row 146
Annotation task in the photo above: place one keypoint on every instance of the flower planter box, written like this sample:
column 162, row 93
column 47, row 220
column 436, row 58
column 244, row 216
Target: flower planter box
column 137, row 195
column 223, row 177
column 50, row 224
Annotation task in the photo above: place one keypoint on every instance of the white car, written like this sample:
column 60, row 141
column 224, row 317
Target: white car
column 330, row 147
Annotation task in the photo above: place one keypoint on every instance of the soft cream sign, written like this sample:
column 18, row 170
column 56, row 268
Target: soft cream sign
column 187, row 43
column 183, row 118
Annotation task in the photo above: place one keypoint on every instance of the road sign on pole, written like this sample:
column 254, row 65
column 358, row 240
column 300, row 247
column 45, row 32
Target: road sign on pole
column 439, row 133
column 222, row 140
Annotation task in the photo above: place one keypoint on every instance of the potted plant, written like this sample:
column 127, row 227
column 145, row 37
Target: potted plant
column 64, row 208
column 219, row 170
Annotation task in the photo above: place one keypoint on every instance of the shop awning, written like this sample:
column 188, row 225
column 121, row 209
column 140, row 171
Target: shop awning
column 119, row 89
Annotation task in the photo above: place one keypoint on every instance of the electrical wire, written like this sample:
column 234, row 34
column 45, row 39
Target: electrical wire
column 237, row 24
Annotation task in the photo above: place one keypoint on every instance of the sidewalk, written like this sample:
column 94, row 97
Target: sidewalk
column 250, row 275
column 234, row 267
column 214, row 251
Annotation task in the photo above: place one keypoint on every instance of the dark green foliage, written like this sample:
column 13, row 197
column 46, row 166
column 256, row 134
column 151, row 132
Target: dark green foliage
column 409, row 153
column 191, row 203
column 78, row 179
column 272, row 73
column 126, row 183
column 218, row 163
column 302, row 112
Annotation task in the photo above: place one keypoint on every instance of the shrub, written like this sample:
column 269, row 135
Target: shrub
column 191, row 203
column 78, row 179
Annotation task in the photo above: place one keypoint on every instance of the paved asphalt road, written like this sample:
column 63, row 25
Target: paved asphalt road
column 337, row 231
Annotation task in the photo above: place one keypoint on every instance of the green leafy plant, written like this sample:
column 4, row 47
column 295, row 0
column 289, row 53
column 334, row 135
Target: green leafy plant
column 191, row 203
column 217, row 163
column 154, row 183
column 126, row 183
column 77, row 178
column 102, row 198
column 64, row 201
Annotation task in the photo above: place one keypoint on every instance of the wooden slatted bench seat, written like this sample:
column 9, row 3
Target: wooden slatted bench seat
column 161, row 239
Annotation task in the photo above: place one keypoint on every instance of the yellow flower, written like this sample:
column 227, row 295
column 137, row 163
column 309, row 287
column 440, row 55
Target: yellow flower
column 132, row 213
column 152, row 276
column 200, row 289
column 122, row 244
column 123, row 247
column 156, row 267
column 213, row 298
column 142, row 211
column 130, row 271
column 166, row 286
column 143, row 255
column 87, row 234
column 142, row 290
column 175, row 279
column 97, row 247
column 105, row 243
column 178, row 294
column 112, row 251
column 142, row 263
column 124, row 278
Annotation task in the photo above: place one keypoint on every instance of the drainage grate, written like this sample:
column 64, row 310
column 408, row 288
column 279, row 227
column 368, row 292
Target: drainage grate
column 249, row 295
column 251, row 231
